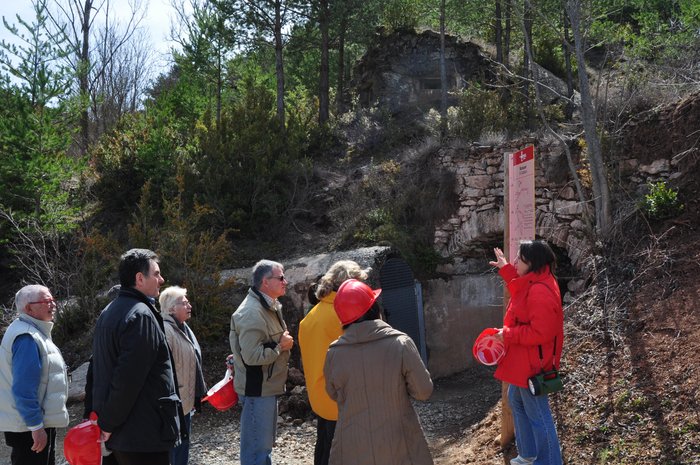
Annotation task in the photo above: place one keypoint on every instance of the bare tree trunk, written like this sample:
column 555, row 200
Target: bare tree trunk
column 83, row 81
column 93, row 65
column 219, row 87
column 323, row 81
column 540, row 111
column 498, row 31
column 279, row 64
column 339, row 97
column 601, row 191
column 506, row 41
column 443, row 72
column 527, row 74
column 569, row 109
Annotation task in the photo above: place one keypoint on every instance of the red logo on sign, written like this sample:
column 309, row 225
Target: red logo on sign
column 528, row 153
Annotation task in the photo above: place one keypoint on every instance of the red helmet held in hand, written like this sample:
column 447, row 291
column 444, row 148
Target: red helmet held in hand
column 488, row 349
column 222, row 396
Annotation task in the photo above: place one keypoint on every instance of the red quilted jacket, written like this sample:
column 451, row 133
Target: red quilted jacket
column 534, row 318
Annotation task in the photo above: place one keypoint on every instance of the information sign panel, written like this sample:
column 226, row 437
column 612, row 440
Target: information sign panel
column 521, row 199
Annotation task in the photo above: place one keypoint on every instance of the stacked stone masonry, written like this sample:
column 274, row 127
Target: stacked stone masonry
column 478, row 222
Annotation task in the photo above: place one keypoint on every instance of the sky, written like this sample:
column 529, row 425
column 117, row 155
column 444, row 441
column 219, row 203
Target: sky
column 159, row 14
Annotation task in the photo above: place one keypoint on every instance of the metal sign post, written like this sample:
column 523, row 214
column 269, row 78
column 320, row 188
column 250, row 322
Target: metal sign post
column 519, row 224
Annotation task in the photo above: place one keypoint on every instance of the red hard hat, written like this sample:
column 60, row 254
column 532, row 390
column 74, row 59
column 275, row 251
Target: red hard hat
column 353, row 300
column 488, row 349
column 222, row 396
column 81, row 445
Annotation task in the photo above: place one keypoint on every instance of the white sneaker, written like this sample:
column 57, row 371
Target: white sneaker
column 522, row 460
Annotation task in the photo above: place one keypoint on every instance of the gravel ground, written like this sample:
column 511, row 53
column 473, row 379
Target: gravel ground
column 457, row 403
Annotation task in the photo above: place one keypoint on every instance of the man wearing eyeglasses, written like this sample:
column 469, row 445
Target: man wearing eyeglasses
column 33, row 380
column 260, row 344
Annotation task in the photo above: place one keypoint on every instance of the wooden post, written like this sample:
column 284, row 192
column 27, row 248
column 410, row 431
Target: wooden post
column 518, row 224
column 507, row 428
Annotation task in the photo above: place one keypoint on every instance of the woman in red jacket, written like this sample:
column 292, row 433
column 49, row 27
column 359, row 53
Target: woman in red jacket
column 533, row 333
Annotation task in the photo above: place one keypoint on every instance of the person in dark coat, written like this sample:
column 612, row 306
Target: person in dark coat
column 108, row 459
column 134, row 384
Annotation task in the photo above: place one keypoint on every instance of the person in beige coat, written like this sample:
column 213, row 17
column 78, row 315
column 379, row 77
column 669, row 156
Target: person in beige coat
column 187, row 357
column 372, row 371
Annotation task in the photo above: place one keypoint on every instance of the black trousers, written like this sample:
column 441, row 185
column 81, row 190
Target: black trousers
column 325, row 430
column 109, row 460
column 142, row 458
column 22, row 454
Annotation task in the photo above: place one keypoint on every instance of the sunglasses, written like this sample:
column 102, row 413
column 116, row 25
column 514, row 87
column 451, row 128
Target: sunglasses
column 281, row 278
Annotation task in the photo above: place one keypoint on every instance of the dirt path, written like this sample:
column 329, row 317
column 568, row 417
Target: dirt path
column 458, row 403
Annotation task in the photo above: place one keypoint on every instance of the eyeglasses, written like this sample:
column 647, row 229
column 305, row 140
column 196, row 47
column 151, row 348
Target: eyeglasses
column 280, row 277
column 45, row 301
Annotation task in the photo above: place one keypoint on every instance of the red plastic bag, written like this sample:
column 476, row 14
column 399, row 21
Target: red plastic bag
column 81, row 446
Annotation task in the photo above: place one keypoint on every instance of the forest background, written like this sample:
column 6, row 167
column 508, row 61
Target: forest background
column 213, row 161
column 217, row 158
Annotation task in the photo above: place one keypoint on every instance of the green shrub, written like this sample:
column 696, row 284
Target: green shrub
column 419, row 197
column 661, row 202
column 479, row 111
column 400, row 14
column 88, row 263
column 549, row 55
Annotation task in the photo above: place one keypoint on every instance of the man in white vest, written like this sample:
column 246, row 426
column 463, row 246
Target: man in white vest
column 33, row 380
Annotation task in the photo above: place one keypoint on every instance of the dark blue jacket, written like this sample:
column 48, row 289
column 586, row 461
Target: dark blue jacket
column 134, row 390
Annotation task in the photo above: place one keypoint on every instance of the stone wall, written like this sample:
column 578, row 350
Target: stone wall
column 402, row 70
column 477, row 225
column 301, row 272
column 660, row 144
column 456, row 310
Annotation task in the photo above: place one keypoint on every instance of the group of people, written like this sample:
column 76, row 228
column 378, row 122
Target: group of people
column 145, row 379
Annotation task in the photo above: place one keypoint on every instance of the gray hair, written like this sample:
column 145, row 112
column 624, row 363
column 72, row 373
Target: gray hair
column 169, row 298
column 339, row 272
column 262, row 270
column 28, row 294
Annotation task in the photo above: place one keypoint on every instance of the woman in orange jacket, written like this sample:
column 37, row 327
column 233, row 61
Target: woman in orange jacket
column 533, row 333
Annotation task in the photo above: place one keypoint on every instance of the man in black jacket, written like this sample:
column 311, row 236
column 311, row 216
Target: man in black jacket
column 134, row 389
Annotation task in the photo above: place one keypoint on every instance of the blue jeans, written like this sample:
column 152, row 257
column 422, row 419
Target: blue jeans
column 258, row 429
column 535, row 434
column 180, row 455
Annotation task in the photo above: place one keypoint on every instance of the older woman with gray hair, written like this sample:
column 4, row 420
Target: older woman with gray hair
column 317, row 330
column 187, row 357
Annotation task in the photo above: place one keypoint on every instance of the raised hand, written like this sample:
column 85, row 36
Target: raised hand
column 500, row 259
